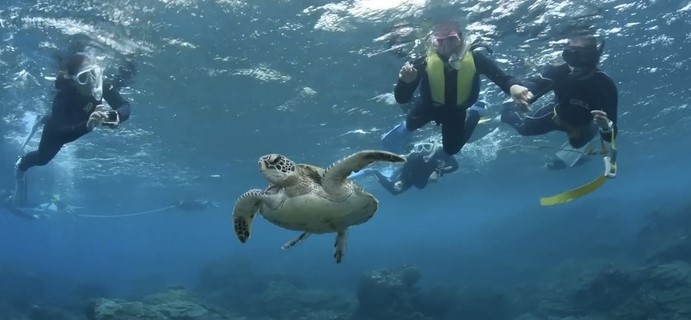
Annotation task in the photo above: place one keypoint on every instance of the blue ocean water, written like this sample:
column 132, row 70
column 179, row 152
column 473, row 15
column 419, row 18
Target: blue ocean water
column 222, row 82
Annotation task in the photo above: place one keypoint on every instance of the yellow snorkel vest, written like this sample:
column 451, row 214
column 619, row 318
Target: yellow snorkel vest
column 464, row 79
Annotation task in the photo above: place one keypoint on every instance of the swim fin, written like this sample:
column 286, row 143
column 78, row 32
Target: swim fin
column 20, row 188
column 361, row 173
column 397, row 138
column 570, row 155
column 480, row 107
column 40, row 120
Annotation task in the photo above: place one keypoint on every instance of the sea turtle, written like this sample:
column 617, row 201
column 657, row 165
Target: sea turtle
column 310, row 199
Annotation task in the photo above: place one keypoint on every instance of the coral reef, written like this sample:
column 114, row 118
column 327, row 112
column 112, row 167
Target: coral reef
column 665, row 236
column 655, row 292
column 20, row 288
column 658, row 286
column 236, row 285
column 393, row 294
column 285, row 301
column 483, row 304
column 174, row 304
column 652, row 281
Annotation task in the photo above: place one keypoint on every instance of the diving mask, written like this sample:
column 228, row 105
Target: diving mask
column 91, row 77
column 439, row 39
column 446, row 43
column 424, row 147
column 584, row 57
column 580, row 57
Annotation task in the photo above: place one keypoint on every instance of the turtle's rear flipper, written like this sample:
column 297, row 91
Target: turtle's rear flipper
column 339, row 171
column 245, row 209
column 339, row 246
column 295, row 241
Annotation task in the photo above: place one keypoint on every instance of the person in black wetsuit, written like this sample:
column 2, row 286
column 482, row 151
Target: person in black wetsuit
column 586, row 98
column 426, row 163
column 449, row 81
column 77, row 109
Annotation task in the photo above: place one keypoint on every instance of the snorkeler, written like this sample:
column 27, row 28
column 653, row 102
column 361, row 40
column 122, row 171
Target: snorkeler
column 56, row 206
column 77, row 109
column 449, row 81
column 425, row 164
column 6, row 197
column 196, row 204
column 585, row 99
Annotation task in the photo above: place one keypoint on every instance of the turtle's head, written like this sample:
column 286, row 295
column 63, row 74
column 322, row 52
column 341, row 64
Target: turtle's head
column 276, row 168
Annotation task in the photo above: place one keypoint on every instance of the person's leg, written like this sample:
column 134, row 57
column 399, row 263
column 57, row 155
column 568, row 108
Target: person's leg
column 539, row 123
column 572, row 153
column 581, row 136
column 48, row 148
column 420, row 115
column 453, row 135
column 471, row 122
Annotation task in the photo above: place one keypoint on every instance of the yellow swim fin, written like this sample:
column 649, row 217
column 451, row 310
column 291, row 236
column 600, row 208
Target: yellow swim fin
column 572, row 194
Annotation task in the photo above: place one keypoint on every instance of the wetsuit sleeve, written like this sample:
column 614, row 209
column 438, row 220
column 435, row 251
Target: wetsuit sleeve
column 489, row 68
column 610, row 108
column 544, row 82
column 386, row 183
column 404, row 91
column 59, row 118
column 116, row 101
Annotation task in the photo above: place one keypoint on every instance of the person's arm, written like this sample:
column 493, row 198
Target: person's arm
column 403, row 92
column 545, row 81
column 487, row 67
column 610, row 108
column 116, row 101
column 386, row 183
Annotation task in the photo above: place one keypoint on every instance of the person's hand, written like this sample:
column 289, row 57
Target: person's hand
column 408, row 73
column 95, row 119
column 112, row 125
column 434, row 177
column 522, row 96
column 398, row 186
column 600, row 117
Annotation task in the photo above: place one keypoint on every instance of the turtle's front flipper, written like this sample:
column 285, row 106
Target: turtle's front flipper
column 339, row 246
column 245, row 209
column 340, row 170
column 295, row 241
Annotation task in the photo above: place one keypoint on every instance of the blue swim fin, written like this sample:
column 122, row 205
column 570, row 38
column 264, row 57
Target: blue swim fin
column 397, row 138
column 361, row 173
